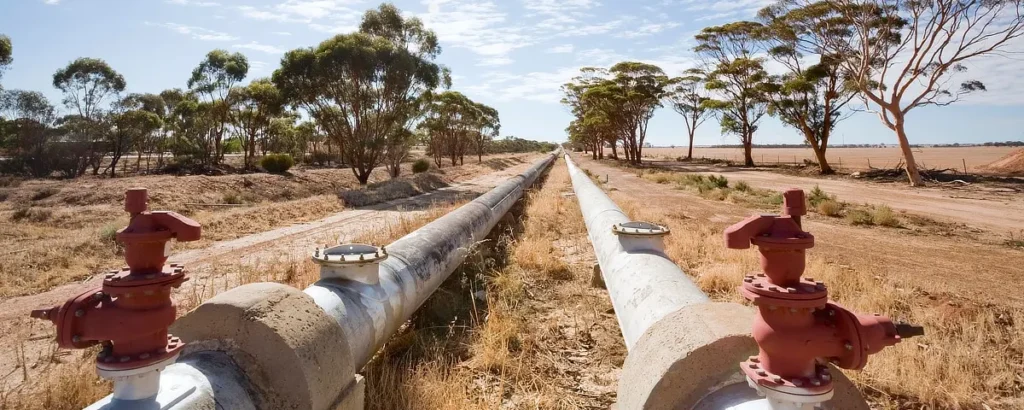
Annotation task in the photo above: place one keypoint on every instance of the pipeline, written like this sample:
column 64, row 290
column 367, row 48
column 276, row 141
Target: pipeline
column 370, row 311
column 272, row 346
column 686, row 352
column 623, row 253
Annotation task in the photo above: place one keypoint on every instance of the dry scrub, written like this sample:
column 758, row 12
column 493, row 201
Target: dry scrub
column 971, row 358
column 53, row 232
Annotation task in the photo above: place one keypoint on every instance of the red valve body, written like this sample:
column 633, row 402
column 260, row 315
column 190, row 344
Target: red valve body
column 131, row 312
column 797, row 328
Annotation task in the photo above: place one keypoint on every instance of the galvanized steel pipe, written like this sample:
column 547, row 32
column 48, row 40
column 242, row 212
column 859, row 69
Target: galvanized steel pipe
column 417, row 264
column 643, row 283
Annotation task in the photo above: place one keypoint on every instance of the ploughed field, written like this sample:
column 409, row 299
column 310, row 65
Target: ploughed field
column 854, row 159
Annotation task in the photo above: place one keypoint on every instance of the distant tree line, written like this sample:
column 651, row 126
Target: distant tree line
column 892, row 56
column 361, row 99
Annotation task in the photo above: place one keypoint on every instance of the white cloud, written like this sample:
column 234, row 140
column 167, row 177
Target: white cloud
column 494, row 61
column 562, row 49
column 558, row 6
column 266, row 48
column 541, row 86
column 282, row 33
column 198, row 3
column 647, row 29
column 197, row 33
column 51, row 2
column 303, row 11
column 479, row 26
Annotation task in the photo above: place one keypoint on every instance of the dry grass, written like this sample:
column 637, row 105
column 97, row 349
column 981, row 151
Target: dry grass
column 54, row 232
column 527, row 341
column 971, row 358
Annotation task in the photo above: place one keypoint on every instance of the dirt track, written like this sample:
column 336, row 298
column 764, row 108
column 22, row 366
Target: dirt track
column 998, row 210
column 932, row 263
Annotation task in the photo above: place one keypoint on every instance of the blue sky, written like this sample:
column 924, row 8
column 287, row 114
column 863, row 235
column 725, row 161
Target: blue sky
column 510, row 54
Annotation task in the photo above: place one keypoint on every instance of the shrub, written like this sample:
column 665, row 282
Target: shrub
column 742, row 186
column 277, row 163
column 818, row 195
column 421, row 165
column 233, row 198
column 718, row 181
column 108, row 234
column 885, row 216
column 44, row 193
column 860, row 217
column 830, row 208
column 31, row 214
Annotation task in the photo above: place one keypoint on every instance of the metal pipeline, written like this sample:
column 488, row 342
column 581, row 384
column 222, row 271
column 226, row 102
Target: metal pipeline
column 643, row 283
column 415, row 266
column 368, row 312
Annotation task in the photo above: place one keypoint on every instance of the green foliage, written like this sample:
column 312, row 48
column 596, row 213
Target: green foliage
column 388, row 64
column 218, row 72
column 818, row 195
column 108, row 234
column 86, row 84
column 233, row 145
column 6, row 50
column 420, row 166
column 743, row 186
column 277, row 163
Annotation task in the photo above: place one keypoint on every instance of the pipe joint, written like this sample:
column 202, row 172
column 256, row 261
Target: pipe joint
column 798, row 329
column 130, row 314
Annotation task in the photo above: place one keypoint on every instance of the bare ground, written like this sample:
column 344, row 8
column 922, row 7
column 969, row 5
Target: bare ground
column 999, row 210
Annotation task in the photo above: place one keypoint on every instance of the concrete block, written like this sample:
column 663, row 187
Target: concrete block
column 354, row 397
column 295, row 356
column 694, row 351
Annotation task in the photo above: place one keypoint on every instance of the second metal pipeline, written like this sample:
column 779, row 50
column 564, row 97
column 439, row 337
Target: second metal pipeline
column 643, row 283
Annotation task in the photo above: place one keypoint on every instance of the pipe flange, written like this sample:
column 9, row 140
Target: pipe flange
column 638, row 228
column 819, row 384
column 108, row 361
column 349, row 254
column 806, row 294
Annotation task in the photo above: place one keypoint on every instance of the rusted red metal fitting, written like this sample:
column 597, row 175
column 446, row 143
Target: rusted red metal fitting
column 131, row 312
column 797, row 328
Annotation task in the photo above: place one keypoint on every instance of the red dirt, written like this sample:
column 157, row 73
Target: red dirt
column 1011, row 164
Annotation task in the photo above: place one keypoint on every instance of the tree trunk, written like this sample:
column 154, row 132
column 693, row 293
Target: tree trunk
column 823, row 166
column 615, row 152
column 748, row 146
column 689, row 153
column 908, row 155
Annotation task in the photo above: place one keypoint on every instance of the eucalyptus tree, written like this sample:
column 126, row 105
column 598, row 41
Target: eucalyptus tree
column 6, row 52
column 213, row 79
column 687, row 95
column 592, row 126
column 637, row 89
column 362, row 87
column 27, row 133
column 89, row 84
column 735, row 75
column 906, row 54
column 129, row 126
column 449, row 121
column 487, row 126
column 153, row 141
column 252, row 109
column 812, row 91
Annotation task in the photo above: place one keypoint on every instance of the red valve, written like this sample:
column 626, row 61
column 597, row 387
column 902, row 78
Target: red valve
column 131, row 312
column 797, row 328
